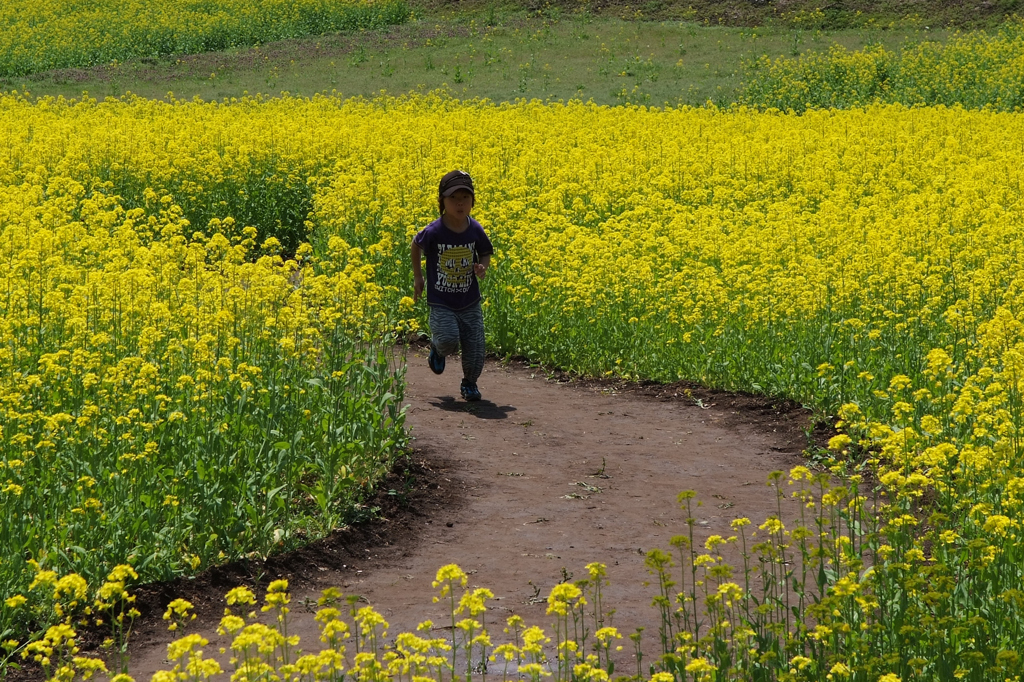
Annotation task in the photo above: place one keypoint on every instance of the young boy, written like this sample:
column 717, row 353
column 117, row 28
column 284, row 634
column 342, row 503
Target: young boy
column 458, row 254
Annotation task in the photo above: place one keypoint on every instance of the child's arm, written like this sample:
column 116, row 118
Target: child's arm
column 417, row 271
column 481, row 268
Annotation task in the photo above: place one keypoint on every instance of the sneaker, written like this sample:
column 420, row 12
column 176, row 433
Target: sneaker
column 435, row 360
column 469, row 391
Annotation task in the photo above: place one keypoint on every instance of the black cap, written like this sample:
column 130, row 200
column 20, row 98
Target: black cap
column 453, row 181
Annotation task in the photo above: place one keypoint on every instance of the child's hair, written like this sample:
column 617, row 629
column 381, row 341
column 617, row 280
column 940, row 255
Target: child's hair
column 453, row 180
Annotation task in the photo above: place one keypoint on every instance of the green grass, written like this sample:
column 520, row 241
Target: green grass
column 813, row 14
column 500, row 54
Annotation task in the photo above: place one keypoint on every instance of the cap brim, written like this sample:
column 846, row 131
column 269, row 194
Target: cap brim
column 452, row 190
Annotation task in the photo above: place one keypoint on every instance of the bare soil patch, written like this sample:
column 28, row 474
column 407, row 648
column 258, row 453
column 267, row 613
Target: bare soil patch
column 522, row 490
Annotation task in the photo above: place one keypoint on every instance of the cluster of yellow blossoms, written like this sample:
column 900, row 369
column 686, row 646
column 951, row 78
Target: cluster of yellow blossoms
column 172, row 394
column 976, row 70
column 262, row 650
column 171, row 267
column 38, row 35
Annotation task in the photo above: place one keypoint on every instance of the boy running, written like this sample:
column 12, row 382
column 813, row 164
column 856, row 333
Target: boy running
column 458, row 254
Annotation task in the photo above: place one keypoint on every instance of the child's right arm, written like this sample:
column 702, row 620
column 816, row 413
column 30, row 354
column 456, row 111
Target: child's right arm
column 417, row 271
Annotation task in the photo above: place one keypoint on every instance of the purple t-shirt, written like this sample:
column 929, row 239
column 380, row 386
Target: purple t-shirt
column 450, row 258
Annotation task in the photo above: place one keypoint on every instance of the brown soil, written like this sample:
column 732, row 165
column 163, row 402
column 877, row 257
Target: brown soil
column 522, row 490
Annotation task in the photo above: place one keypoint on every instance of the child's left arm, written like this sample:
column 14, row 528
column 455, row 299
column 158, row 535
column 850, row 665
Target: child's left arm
column 480, row 269
column 483, row 261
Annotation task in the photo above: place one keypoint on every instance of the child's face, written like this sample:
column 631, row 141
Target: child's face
column 459, row 204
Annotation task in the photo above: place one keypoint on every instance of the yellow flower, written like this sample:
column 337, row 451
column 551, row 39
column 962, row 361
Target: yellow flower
column 700, row 666
column 241, row 595
column 230, row 625
column 185, row 645
column 997, row 524
column 563, row 597
column 840, row 670
column 15, row 601
column 534, row 671
column 449, row 575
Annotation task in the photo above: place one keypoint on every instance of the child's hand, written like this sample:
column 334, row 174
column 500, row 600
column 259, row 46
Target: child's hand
column 480, row 270
column 417, row 288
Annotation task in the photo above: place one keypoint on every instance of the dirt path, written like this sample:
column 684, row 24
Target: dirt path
column 537, row 479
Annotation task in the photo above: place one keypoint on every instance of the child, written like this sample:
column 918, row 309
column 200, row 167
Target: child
column 458, row 253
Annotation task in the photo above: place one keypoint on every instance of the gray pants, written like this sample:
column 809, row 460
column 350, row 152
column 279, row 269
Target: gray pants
column 451, row 328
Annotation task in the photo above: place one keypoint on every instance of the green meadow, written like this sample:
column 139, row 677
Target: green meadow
column 502, row 54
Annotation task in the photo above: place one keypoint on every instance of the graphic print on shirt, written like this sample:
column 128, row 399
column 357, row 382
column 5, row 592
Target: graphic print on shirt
column 454, row 267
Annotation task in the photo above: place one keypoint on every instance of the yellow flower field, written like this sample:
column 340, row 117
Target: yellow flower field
column 54, row 34
column 864, row 262
column 171, row 398
column 976, row 70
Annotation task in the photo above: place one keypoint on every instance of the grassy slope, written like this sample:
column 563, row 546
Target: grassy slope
column 825, row 14
column 484, row 50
